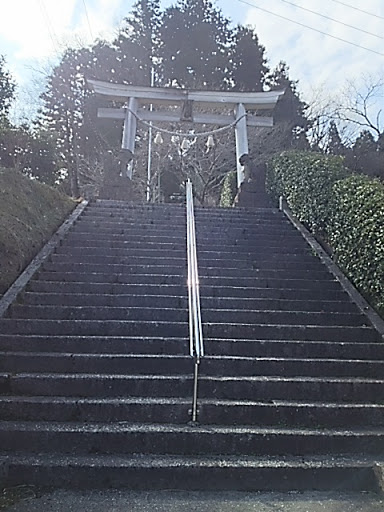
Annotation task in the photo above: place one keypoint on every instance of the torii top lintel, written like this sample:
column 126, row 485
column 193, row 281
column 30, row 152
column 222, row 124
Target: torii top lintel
column 169, row 96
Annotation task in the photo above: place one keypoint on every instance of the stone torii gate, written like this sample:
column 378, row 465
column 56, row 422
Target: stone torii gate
column 137, row 96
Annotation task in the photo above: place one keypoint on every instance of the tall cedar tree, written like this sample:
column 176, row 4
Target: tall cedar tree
column 139, row 43
column 248, row 62
column 290, row 109
column 196, row 40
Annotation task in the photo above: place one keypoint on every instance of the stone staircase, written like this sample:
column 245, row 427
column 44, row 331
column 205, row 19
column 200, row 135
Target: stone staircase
column 96, row 382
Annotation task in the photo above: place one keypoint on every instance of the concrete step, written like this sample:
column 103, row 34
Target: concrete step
column 84, row 234
column 99, row 268
column 297, row 349
column 136, row 209
column 174, row 345
column 172, row 314
column 114, row 231
column 93, row 327
column 137, row 225
column 123, row 259
column 180, row 329
column 178, row 252
column 180, row 301
column 248, row 292
column 155, row 364
column 219, row 254
column 220, row 473
column 245, row 292
column 88, row 229
column 106, row 288
column 165, row 439
column 113, row 364
column 265, row 273
column 292, row 332
column 118, row 243
column 269, row 317
column 162, row 213
column 175, row 410
column 151, row 229
column 94, row 344
column 262, row 272
column 92, row 236
column 284, row 282
column 119, row 301
column 88, row 277
column 254, row 388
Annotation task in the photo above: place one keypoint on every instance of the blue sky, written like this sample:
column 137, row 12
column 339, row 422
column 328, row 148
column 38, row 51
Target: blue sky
column 33, row 32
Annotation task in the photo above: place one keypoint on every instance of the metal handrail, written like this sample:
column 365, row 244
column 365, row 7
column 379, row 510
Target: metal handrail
column 196, row 342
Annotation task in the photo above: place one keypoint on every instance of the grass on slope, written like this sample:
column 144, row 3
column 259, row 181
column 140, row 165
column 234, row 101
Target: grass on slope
column 30, row 212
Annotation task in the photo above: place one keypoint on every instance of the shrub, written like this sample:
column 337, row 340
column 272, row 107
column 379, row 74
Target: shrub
column 305, row 180
column 229, row 190
column 345, row 209
column 357, row 234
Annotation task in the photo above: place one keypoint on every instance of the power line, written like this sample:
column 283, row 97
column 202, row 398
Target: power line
column 86, row 15
column 360, row 10
column 48, row 25
column 332, row 19
column 311, row 28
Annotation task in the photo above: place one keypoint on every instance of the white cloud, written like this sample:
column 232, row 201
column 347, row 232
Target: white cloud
column 316, row 58
column 34, row 27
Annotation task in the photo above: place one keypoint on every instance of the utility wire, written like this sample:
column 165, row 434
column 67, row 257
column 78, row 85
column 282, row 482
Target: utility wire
column 311, row 28
column 332, row 19
column 360, row 10
column 48, row 25
column 86, row 15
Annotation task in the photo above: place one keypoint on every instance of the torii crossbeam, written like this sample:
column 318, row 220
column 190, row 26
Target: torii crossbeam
column 137, row 96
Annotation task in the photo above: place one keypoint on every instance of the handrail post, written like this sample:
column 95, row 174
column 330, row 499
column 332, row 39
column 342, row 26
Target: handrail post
column 195, row 392
column 196, row 343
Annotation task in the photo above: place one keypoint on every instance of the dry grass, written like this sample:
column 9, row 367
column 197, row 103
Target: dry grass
column 30, row 212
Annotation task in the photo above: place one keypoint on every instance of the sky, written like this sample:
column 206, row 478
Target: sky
column 346, row 44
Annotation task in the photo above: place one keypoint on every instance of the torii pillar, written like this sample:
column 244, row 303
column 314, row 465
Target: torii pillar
column 241, row 136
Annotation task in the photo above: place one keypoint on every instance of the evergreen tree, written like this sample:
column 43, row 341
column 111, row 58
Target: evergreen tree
column 364, row 144
column 365, row 156
column 290, row 107
column 139, row 43
column 7, row 89
column 248, row 62
column 70, row 110
column 335, row 145
column 196, row 40
column 380, row 143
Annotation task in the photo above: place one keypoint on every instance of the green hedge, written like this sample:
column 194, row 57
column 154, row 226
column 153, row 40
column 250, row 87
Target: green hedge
column 357, row 234
column 305, row 180
column 346, row 210
column 229, row 190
